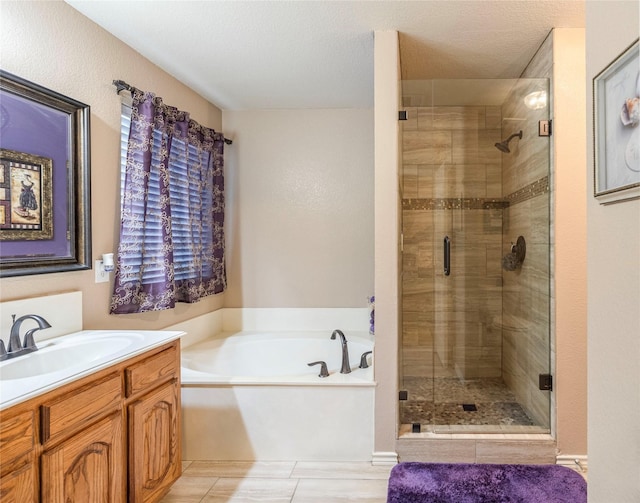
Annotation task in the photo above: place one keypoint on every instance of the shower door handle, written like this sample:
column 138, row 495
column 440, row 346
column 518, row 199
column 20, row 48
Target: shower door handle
column 447, row 256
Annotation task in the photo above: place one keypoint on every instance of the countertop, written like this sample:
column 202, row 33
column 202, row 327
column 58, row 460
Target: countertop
column 78, row 354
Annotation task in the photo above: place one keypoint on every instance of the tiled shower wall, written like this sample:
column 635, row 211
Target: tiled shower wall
column 452, row 187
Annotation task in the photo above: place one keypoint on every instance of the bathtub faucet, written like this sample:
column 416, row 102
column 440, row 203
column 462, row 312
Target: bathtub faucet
column 346, row 369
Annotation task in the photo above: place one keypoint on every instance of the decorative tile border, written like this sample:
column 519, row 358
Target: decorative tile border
column 532, row 190
column 453, row 204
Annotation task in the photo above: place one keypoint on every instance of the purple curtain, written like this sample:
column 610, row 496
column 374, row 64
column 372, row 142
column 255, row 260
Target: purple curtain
column 172, row 230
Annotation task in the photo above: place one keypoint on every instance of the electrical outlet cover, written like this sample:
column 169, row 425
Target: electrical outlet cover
column 102, row 276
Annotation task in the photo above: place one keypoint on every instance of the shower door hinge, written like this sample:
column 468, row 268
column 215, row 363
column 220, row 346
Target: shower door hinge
column 545, row 382
column 402, row 115
column 544, row 128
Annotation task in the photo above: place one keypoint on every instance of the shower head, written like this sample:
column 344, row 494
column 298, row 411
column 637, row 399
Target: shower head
column 503, row 146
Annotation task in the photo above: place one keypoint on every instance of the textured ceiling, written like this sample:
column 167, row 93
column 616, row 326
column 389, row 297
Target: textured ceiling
column 319, row 54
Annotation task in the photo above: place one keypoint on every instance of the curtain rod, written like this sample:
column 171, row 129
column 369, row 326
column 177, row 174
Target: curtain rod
column 121, row 85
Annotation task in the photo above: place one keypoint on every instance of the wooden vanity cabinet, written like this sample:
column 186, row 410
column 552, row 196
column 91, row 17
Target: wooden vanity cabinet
column 87, row 467
column 83, row 456
column 153, row 443
column 18, row 464
column 18, row 485
column 154, row 426
column 110, row 437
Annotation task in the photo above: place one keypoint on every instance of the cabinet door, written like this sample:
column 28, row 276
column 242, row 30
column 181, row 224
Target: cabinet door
column 88, row 467
column 154, row 443
column 18, row 485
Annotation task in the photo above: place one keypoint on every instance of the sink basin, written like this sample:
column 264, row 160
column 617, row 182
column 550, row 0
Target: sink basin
column 64, row 355
column 69, row 357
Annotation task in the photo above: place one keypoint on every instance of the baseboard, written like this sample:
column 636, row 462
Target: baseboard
column 578, row 461
column 384, row 458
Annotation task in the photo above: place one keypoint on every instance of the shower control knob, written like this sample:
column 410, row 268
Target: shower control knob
column 363, row 360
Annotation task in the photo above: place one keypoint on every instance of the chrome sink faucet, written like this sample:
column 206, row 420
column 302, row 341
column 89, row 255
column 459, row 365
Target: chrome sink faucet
column 15, row 347
column 346, row 368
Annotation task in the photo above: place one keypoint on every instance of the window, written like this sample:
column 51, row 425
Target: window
column 172, row 209
column 181, row 194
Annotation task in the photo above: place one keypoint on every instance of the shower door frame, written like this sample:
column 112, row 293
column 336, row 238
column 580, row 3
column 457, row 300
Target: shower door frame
column 462, row 203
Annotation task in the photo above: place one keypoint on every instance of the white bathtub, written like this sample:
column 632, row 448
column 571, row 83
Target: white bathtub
column 251, row 396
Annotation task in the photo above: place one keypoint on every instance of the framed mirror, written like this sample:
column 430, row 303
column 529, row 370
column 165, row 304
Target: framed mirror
column 45, row 203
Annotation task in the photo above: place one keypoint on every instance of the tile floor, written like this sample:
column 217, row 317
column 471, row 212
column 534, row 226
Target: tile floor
column 282, row 482
column 279, row 482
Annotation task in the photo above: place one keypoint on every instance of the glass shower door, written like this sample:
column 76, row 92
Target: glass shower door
column 475, row 329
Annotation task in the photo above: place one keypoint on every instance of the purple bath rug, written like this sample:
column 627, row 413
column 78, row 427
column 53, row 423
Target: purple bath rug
column 484, row 483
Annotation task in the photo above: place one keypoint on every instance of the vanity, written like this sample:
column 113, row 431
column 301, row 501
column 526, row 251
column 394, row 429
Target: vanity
column 96, row 424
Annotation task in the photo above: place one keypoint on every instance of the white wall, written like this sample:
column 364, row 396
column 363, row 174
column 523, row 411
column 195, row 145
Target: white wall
column 387, row 224
column 300, row 208
column 570, row 238
column 613, row 271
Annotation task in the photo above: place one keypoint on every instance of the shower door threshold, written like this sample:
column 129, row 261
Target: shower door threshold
column 409, row 430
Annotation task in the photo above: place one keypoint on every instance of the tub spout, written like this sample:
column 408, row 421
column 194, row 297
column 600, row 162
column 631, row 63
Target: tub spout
column 346, row 368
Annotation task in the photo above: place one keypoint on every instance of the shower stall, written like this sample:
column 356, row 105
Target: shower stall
column 475, row 181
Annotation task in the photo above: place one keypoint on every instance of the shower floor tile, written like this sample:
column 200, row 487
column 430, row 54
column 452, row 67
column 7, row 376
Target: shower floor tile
column 440, row 402
column 416, row 412
column 487, row 413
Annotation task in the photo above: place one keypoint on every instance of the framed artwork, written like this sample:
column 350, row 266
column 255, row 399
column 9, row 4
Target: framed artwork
column 45, row 208
column 25, row 197
column 616, row 123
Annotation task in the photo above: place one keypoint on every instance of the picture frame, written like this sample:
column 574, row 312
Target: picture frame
column 616, row 124
column 26, row 197
column 45, row 200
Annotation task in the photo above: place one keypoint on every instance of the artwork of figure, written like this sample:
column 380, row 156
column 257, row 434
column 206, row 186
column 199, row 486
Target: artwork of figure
column 25, row 195
column 28, row 199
